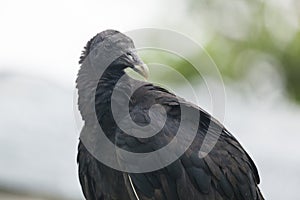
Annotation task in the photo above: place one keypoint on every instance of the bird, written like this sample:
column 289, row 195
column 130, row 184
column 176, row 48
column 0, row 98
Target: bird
column 225, row 172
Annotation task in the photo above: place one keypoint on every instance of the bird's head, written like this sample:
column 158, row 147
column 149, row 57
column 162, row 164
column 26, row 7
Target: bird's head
column 116, row 50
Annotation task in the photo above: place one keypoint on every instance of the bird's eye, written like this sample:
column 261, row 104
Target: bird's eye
column 129, row 55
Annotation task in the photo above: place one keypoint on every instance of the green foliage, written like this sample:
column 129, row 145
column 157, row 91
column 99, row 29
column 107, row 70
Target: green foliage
column 245, row 33
column 291, row 64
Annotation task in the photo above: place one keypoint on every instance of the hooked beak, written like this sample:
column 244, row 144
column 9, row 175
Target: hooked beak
column 142, row 69
column 137, row 64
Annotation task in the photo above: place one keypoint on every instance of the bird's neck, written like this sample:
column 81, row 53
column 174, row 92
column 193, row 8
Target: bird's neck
column 109, row 79
column 95, row 92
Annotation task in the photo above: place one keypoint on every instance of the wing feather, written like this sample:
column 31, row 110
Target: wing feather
column 227, row 172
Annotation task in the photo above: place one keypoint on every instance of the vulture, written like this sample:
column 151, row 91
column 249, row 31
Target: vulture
column 226, row 171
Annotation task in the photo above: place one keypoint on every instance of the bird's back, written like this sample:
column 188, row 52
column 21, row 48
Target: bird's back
column 227, row 172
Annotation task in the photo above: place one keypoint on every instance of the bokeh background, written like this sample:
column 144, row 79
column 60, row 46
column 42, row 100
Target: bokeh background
column 255, row 44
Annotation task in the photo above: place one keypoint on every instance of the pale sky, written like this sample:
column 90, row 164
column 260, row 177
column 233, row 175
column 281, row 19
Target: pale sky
column 45, row 38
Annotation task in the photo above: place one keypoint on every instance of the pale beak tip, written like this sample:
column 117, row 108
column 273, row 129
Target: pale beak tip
column 142, row 70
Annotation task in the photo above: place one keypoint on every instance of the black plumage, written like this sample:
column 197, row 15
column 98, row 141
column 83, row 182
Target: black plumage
column 227, row 172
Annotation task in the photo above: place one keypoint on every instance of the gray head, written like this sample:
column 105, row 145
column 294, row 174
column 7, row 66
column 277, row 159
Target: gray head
column 117, row 48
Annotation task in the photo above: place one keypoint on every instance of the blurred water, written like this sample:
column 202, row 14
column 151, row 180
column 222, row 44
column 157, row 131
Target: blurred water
column 38, row 136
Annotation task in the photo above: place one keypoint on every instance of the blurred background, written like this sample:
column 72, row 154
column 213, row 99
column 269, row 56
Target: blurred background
column 255, row 44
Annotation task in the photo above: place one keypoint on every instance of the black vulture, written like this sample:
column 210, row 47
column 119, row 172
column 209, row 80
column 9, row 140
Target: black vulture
column 226, row 172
